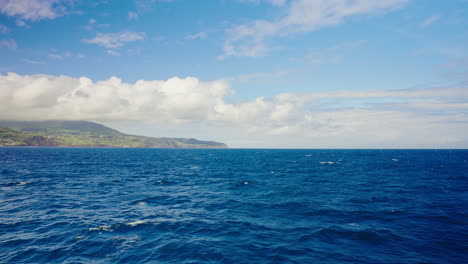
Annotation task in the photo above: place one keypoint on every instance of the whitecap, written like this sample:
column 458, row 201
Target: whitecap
column 139, row 222
column 326, row 162
column 101, row 228
column 395, row 159
column 17, row 183
column 246, row 182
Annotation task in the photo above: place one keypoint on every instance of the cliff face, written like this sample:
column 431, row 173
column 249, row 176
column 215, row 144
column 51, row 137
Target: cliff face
column 40, row 141
column 86, row 134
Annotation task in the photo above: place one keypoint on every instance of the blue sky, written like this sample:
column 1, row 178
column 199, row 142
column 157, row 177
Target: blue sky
column 251, row 73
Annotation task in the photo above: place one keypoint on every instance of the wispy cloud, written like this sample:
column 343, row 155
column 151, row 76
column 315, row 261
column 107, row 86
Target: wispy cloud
column 196, row 36
column 264, row 76
column 32, row 61
column 9, row 44
column 148, row 4
column 21, row 23
column 59, row 56
column 112, row 52
column 116, row 40
column 93, row 24
column 314, row 58
column 34, row 10
column 132, row 16
column 4, row 29
column 273, row 2
column 349, row 44
column 430, row 20
column 55, row 56
column 63, row 55
column 301, row 16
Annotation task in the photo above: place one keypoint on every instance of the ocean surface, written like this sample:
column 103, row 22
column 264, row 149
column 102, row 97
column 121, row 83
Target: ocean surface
column 61, row 205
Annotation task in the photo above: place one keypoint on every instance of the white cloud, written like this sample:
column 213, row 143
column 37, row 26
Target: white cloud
column 132, row 16
column 4, row 29
column 174, row 100
column 264, row 76
column 196, row 36
column 92, row 24
column 9, row 44
column 273, row 2
column 59, row 56
column 430, row 20
column 148, row 4
column 34, row 9
column 116, row 40
column 21, row 23
column 55, row 56
column 32, row 61
column 112, row 52
column 436, row 117
column 301, row 16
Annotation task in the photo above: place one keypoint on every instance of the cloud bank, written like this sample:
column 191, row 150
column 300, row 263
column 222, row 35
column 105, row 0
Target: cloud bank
column 436, row 117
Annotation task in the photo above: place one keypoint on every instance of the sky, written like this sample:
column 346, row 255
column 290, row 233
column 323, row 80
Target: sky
column 249, row 73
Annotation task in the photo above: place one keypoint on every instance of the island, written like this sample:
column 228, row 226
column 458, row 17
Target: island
column 59, row 133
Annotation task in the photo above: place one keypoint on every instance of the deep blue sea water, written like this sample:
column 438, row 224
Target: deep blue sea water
column 233, row 206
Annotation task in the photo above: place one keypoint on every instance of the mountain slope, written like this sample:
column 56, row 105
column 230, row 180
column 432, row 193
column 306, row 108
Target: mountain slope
column 86, row 134
column 57, row 126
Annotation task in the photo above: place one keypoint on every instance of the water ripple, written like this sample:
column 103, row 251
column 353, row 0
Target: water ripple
column 233, row 206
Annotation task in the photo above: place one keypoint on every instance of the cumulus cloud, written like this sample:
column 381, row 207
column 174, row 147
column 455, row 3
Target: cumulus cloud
column 392, row 118
column 34, row 10
column 301, row 16
column 116, row 40
column 63, row 97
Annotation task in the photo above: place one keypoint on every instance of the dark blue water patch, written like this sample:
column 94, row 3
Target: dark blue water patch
column 233, row 206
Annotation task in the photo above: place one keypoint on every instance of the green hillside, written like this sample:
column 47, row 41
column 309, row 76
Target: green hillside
column 86, row 134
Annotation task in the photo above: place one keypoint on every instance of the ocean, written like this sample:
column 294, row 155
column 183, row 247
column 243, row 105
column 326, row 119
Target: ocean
column 78, row 205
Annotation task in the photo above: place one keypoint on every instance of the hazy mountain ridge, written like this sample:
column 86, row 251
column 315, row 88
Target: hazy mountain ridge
column 86, row 134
